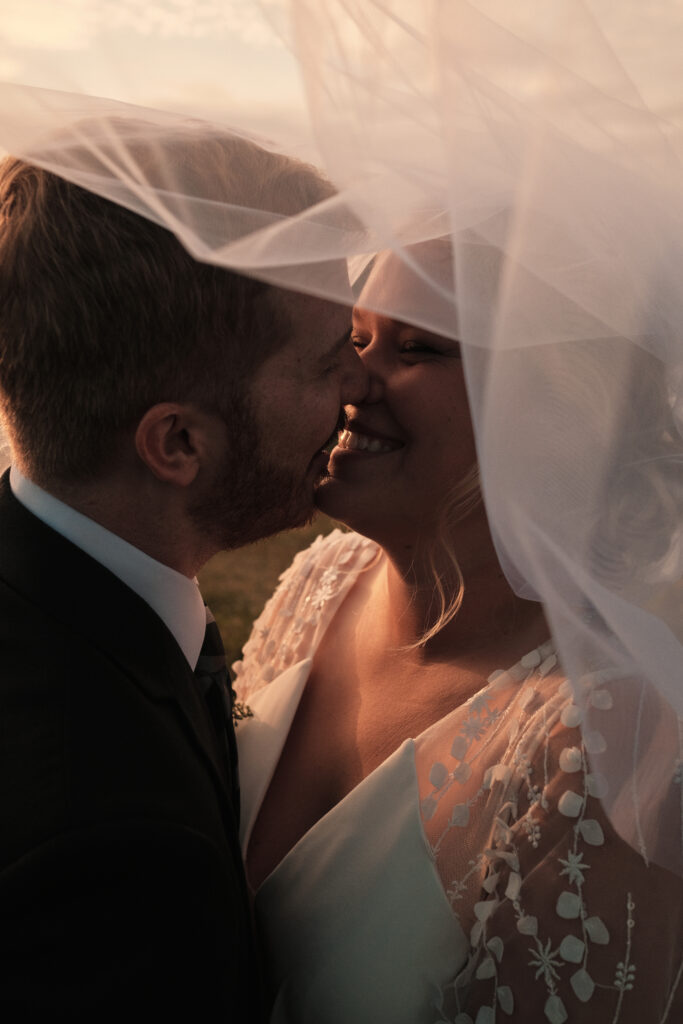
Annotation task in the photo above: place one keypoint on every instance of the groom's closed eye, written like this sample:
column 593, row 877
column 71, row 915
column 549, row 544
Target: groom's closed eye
column 332, row 354
column 330, row 359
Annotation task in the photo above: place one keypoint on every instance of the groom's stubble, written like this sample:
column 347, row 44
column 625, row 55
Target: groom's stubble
column 250, row 496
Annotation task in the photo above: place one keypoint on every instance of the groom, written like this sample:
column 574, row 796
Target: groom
column 158, row 410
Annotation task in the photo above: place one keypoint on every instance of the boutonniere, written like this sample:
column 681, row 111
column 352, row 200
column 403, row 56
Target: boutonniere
column 240, row 710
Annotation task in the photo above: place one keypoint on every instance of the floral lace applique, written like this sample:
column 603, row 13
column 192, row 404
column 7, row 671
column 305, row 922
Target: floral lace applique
column 547, row 837
column 305, row 600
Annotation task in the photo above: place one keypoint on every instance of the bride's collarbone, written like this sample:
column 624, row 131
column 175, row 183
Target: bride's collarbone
column 355, row 712
column 362, row 700
column 362, row 712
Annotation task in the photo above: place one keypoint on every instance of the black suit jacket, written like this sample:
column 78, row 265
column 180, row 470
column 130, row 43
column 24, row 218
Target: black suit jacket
column 121, row 882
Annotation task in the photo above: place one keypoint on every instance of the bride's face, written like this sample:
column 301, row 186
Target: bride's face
column 411, row 438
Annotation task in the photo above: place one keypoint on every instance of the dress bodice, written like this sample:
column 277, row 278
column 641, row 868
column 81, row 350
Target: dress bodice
column 355, row 922
column 329, row 914
column 473, row 876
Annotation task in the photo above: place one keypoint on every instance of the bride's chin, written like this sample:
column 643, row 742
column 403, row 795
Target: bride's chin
column 337, row 500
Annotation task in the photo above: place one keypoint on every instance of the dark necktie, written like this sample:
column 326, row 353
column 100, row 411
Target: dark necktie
column 212, row 676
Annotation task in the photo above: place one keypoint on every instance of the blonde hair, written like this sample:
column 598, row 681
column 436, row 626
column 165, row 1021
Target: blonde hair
column 449, row 586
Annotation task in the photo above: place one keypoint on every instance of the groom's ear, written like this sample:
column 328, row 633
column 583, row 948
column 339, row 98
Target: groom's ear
column 174, row 440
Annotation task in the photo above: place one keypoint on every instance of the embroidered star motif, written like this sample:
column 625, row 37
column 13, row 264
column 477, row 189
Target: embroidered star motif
column 574, row 867
column 546, row 961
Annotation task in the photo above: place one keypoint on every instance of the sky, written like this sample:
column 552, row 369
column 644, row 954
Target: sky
column 211, row 57
column 218, row 56
column 227, row 60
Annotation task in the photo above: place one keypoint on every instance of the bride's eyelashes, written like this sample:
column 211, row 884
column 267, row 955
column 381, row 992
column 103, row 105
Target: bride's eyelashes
column 430, row 346
column 416, row 346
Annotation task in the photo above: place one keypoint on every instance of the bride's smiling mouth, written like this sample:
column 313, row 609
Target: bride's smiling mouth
column 333, row 439
column 350, row 440
column 356, row 437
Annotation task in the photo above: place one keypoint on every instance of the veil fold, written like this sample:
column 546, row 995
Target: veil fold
column 540, row 143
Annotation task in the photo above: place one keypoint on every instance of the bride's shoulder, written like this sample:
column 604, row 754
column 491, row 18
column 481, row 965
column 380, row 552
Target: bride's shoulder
column 305, row 599
column 317, row 571
column 339, row 549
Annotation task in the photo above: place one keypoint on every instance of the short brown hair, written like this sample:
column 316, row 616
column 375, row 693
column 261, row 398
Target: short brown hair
column 103, row 313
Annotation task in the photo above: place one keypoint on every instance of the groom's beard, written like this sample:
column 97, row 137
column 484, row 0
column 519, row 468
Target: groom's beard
column 251, row 495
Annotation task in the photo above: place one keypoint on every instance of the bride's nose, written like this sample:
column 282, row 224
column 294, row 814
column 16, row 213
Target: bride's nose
column 376, row 370
column 355, row 384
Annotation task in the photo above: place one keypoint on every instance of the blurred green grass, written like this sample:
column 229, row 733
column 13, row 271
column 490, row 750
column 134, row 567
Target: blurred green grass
column 237, row 584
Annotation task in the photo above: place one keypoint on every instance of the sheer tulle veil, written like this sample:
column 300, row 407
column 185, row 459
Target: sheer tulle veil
column 540, row 143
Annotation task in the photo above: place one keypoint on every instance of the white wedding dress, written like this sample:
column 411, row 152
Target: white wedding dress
column 471, row 877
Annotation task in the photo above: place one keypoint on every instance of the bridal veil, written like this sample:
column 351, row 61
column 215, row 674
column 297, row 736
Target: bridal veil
column 541, row 144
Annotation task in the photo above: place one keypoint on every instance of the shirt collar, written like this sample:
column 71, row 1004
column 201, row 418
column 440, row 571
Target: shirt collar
column 174, row 597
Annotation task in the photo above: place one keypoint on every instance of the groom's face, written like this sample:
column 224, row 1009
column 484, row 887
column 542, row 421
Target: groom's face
column 276, row 435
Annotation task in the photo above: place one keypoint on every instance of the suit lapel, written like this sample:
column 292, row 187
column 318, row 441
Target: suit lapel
column 87, row 600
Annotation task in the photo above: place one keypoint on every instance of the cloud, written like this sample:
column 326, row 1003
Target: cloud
column 75, row 24
column 194, row 18
column 38, row 24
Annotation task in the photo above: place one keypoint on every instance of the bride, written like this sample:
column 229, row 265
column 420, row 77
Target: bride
column 422, row 821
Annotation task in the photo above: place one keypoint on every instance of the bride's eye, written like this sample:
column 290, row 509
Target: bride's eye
column 418, row 346
column 358, row 342
column 425, row 347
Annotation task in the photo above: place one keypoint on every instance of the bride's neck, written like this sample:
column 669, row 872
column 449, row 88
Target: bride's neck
column 491, row 617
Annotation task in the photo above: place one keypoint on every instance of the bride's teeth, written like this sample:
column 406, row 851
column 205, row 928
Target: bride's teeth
column 362, row 443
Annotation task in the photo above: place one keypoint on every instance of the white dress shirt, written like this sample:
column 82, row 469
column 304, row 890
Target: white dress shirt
column 174, row 597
